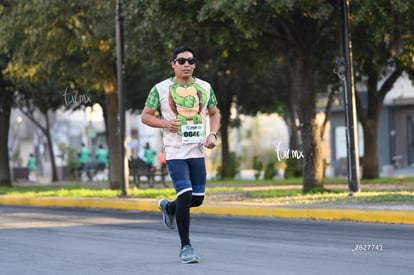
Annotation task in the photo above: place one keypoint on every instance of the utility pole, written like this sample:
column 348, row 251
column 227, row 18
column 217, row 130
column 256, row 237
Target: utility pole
column 121, row 104
column 350, row 102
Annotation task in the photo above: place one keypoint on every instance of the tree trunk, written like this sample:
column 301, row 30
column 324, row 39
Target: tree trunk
column 294, row 133
column 370, row 159
column 5, row 176
column 310, row 130
column 313, row 162
column 113, row 137
column 46, row 131
column 369, row 118
column 225, row 103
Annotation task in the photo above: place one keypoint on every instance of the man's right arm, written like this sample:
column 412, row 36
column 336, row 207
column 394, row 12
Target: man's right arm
column 149, row 118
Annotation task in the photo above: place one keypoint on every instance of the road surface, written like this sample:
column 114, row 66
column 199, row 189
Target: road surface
column 35, row 240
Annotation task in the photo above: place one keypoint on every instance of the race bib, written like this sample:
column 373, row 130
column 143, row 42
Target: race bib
column 192, row 133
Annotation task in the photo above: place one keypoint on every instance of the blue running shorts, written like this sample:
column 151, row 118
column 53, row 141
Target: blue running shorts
column 188, row 175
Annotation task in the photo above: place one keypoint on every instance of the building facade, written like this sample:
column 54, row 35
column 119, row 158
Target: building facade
column 395, row 131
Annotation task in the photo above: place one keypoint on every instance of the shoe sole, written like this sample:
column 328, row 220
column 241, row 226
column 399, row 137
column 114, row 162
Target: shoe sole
column 192, row 261
column 164, row 218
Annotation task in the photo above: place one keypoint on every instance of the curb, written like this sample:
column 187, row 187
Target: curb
column 151, row 205
column 349, row 214
column 100, row 203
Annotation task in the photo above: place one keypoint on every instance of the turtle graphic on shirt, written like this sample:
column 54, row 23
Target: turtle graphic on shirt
column 187, row 102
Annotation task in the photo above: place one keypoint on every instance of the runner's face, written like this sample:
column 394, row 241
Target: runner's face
column 183, row 72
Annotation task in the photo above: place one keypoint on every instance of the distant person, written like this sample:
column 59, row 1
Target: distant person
column 84, row 156
column 102, row 157
column 31, row 167
column 141, row 155
column 163, row 166
column 162, row 161
column 149, row 154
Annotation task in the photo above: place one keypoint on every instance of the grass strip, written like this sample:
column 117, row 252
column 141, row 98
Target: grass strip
column 291, row 195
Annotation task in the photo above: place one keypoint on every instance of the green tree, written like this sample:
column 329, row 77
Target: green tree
column 76, row 43
column 28, row 101
column 223, row 53
column 257, row 167
column 382, row 34
column 304, row 32
column 300, row 31
column 6, row 102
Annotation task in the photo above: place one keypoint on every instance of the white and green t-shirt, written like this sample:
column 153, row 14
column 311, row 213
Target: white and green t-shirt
column 189, row 103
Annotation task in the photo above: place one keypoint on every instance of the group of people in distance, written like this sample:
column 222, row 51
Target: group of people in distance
column 84, row 157
column 101, row 156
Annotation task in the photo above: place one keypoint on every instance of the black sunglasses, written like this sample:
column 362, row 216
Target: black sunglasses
column 182, row 60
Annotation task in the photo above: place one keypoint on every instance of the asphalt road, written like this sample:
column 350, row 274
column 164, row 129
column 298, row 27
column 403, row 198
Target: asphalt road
column 80, row 241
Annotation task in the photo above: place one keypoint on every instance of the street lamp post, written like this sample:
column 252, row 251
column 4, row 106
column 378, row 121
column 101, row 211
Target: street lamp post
column 350, row 102
column 121, row 103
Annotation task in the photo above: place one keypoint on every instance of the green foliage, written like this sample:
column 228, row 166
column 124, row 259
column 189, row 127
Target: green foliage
column 277, row 196
column 234, row 167
column 75, row 190
column 235, row 164
column 243, row 47
column 382, row 39
column 257, row 167
column 290, row 168
column 270, row 171
column 68, row 155
column 17, row 158
column 331, row 197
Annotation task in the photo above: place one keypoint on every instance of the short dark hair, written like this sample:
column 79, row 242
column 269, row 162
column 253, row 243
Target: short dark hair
column 182, row 49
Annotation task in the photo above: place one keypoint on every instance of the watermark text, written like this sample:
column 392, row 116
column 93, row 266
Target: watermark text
column 288, row 154
column 74, row 97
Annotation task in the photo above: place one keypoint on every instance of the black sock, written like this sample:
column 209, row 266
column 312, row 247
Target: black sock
column 182, row 216
column 196, row 201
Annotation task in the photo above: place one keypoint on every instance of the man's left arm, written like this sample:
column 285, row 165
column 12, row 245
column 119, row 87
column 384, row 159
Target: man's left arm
column 214, row 117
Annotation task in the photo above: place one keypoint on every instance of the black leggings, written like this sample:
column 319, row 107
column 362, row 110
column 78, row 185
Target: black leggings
column 181, row 208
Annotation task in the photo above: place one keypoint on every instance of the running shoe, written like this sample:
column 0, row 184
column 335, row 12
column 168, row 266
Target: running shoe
column 187, row 255
column 169, row 219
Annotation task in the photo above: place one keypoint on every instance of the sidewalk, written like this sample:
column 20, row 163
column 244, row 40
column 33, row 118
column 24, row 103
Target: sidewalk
column 382, row 213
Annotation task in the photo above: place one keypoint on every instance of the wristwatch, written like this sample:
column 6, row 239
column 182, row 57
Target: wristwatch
column 214, row 134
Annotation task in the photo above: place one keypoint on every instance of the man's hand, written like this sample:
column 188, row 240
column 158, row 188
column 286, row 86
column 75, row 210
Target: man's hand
column 211, row 141
column 173, row 125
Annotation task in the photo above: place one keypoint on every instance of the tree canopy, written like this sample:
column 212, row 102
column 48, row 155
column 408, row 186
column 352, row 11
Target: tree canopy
column 269, row 55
